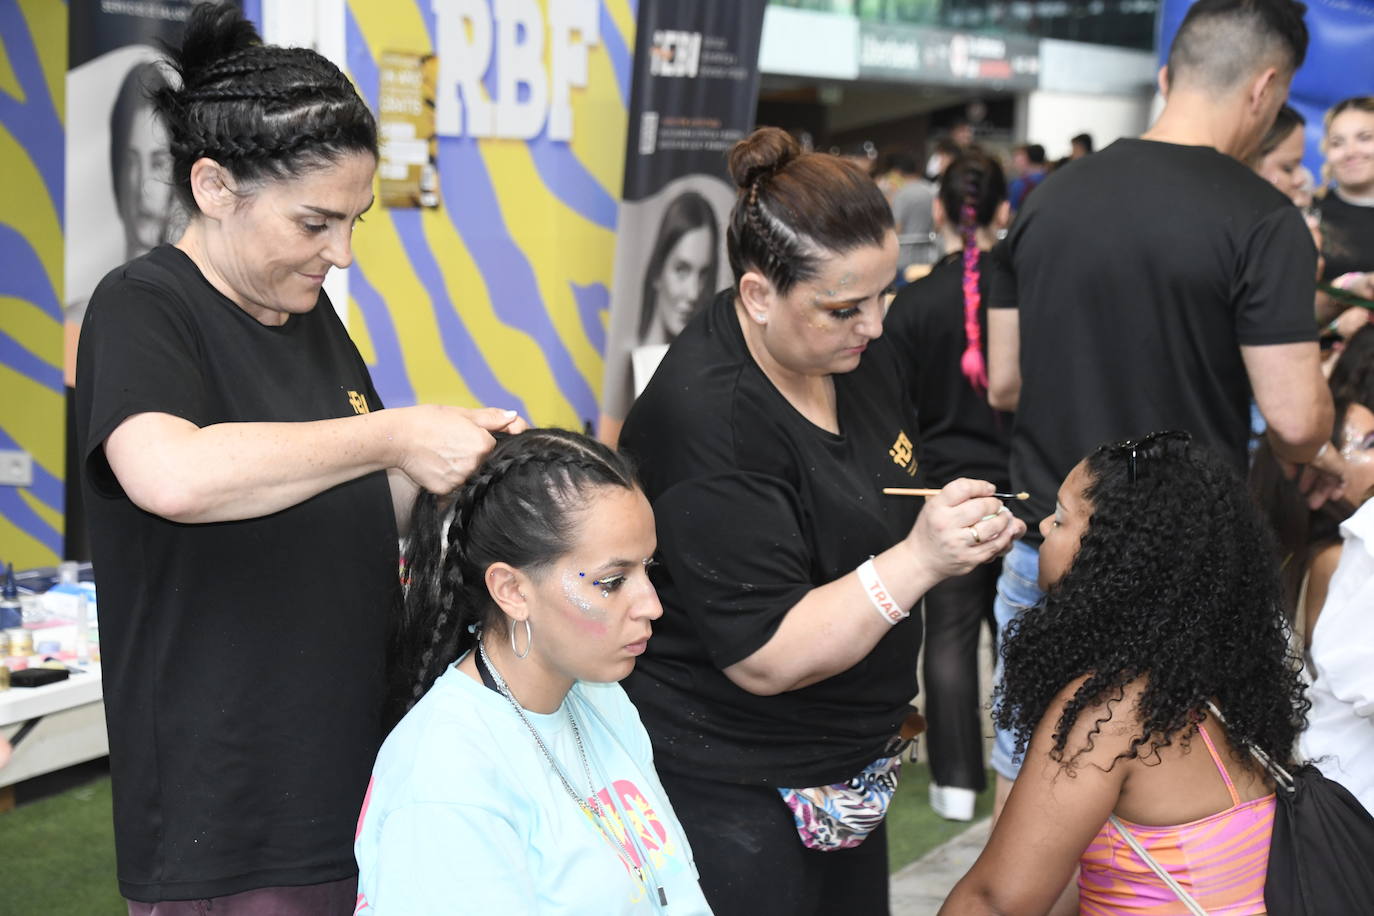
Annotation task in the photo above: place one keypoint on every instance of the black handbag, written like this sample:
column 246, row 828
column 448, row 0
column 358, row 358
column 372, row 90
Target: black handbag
column 1321, row 856
column 1321, row 853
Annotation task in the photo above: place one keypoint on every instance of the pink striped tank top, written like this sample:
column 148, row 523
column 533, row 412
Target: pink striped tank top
column 1221, row 860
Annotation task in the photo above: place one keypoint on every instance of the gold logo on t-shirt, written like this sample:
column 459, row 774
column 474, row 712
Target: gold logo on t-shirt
column 902, row 453
column 359, row 402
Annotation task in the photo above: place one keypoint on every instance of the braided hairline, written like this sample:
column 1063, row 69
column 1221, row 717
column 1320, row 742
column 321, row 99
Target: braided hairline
column 247, row 147
column 308, row 85
column 776, row 235
column 258, row 59
column 242, row 93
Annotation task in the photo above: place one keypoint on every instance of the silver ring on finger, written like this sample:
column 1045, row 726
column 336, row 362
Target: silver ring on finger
column 977, row 538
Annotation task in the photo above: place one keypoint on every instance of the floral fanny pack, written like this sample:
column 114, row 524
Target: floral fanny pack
column 842, row 815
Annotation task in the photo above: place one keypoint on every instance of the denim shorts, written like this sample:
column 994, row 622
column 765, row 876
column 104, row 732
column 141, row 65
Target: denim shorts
column 1017, row 590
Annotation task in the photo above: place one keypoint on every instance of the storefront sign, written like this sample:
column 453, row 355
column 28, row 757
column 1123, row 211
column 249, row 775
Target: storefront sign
column 924, row 55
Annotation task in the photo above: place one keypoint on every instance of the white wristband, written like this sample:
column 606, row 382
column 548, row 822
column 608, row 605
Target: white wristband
column 877, row 593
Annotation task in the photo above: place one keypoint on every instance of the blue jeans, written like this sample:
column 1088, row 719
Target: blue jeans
column 1017, row 590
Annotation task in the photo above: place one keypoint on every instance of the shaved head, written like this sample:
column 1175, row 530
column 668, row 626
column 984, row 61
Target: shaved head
column 1221, row 43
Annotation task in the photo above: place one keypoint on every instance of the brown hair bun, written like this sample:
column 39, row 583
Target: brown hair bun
column 764, row 151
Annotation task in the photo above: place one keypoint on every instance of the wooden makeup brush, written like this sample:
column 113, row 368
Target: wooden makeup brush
column 903, row 491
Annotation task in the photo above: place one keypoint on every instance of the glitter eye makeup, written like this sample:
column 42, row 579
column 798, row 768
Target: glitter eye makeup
column 576, row 599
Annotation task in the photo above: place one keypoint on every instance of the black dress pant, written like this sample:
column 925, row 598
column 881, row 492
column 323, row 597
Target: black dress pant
column 955, row 611
column 752, row 863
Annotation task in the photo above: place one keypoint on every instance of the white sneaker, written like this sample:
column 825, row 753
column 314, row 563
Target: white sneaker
column 952, row 803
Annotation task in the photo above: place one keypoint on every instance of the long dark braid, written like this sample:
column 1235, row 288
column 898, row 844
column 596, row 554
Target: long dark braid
column 518, row 507
column 260, row 111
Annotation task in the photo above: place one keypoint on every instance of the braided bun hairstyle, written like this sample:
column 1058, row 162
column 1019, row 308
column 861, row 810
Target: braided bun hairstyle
column 519, row 507
column 793, row 208
column 971, row 190
column 262, row 112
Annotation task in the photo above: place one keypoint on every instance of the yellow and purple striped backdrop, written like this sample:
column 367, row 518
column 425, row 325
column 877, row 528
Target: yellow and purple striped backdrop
column 499, row 296
column 33, row 69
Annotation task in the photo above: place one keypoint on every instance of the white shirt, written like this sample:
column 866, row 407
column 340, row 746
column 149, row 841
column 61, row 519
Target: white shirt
column 1340, row 732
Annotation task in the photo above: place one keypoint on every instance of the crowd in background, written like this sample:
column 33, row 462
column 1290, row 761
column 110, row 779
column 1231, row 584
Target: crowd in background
column 933, row 235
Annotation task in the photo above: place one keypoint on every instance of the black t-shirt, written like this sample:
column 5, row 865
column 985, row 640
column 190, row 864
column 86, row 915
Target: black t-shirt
column 243, row 661
column 756, row 506
column 960, row 435
column 1139, row 273
column 1347, row 236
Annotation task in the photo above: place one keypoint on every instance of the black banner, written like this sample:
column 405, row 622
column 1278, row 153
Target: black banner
column 693, row 96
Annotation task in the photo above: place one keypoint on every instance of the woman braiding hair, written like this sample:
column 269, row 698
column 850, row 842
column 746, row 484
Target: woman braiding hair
column 244, row 487
column 520, row 779
column 939, row 324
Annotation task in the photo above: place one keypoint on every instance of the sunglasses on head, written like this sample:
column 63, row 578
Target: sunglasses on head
column 1138, row 449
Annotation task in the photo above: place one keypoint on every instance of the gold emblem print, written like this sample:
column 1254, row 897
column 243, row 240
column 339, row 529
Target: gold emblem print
column 359, row 402
column 902, row 454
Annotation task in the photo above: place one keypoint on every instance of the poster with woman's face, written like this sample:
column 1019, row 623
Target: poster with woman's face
column 671, row 276
column 693, row 96
column 119, row 198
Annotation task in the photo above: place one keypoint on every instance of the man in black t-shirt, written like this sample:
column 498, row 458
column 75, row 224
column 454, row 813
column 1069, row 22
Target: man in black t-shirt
column 1156, row 284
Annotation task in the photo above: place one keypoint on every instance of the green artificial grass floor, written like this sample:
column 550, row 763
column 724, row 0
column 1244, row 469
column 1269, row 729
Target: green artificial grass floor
column 58, row 850
column 912, row 828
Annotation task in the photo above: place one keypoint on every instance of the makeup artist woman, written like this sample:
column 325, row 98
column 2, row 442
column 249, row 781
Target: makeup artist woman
column 785, row 661
column 240, row 480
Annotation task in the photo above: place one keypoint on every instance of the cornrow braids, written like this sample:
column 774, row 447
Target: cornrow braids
column 261, row 112
column 247, row 149
column 776, row 262
column 519, row 507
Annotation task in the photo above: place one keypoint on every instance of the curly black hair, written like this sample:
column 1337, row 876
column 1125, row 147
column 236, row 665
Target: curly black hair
column 1175, row 583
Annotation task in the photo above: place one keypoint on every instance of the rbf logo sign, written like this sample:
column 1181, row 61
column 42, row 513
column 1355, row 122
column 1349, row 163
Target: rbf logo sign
column 474, row 37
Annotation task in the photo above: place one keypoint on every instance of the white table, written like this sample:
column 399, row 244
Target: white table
column 71, row 729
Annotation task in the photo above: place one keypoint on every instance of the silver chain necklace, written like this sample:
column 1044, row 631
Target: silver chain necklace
column 593, row 807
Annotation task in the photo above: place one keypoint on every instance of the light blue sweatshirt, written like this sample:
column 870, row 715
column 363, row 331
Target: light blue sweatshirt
column 464, row 813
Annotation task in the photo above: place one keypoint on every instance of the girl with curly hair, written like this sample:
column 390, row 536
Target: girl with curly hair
column 1163, row 615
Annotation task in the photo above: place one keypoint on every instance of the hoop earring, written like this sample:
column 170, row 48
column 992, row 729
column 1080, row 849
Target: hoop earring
column 529, row 640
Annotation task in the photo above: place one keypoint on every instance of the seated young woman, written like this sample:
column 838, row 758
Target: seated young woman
column 1163, row 604
column 521, row 780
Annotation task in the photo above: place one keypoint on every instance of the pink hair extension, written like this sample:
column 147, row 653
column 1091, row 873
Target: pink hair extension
column 972, row 363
